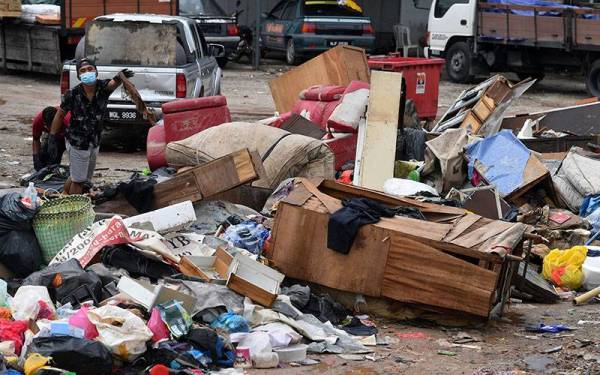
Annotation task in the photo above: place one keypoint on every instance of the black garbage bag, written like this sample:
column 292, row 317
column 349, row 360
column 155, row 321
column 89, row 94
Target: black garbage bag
column 51, row 177
column 135, row 263
column 78, row 355
column 14, row 215
column 68, row 282
column 20, row 252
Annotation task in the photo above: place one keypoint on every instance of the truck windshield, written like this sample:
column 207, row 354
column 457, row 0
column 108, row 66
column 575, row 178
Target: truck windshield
column 131, row 43
column 346, row 8
column 200, row 8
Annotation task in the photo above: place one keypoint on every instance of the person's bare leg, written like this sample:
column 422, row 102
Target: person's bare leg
column 76, row 188
column 67, row 188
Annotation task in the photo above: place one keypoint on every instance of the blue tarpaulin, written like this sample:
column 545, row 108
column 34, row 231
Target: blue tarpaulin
column 502, row 158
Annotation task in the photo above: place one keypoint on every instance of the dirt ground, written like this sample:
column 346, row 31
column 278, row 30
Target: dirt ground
column 504, row 345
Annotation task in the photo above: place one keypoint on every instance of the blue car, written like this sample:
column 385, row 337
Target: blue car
column 303, row 28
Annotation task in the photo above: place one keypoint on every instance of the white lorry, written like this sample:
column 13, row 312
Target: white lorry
column 528, row 37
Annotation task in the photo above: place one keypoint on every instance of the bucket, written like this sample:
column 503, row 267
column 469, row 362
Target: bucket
column 59, row 220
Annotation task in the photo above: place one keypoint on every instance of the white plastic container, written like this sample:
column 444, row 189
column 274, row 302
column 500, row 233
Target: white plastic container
column 591, row 272
column 292, row 353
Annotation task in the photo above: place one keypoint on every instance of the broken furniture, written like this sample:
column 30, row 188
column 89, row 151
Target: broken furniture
column 182, row 119
column 338, row 66
column 480, row 109
column 452, row 261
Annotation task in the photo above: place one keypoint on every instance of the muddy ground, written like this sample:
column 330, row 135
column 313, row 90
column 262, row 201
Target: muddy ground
column 504, row 345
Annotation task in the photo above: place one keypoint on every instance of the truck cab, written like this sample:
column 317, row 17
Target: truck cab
column 168, row 54
column 450, row 34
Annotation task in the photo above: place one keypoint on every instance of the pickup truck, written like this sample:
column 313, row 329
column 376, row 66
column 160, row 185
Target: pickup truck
column 168, row 54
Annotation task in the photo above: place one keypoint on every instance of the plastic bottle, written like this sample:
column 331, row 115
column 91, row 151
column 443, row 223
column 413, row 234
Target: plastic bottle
column 30, row 197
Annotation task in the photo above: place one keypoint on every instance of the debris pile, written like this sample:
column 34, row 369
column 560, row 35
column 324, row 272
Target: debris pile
column 242, row 252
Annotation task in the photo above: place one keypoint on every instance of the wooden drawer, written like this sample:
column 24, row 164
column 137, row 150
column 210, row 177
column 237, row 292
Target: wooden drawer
column 588, row 31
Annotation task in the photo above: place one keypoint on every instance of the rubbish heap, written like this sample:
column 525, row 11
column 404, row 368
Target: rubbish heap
column 246, row 252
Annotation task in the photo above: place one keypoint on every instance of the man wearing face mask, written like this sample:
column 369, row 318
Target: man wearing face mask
column 87, row 103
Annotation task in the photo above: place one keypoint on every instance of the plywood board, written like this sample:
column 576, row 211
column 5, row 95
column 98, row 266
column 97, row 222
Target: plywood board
column 338, row 66
column 214, row 177
column 419, row 273
column 376, row 148
column 300, row 252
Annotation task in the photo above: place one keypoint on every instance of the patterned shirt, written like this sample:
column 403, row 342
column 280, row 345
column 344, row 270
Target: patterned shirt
column 86, row 117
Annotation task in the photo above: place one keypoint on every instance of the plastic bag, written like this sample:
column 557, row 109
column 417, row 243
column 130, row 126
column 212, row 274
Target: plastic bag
column 123, row 332
column 402, row 187
column 231, row 323
column 5, row 298
column 81, row 320
column 175, row 317
column 248, row 235
column 157, row 326
column 13, row 214
column 563, row 267
column 32, row 303
column 20, row 252
column 68, row 282
column 13, row 331
column 78, row 355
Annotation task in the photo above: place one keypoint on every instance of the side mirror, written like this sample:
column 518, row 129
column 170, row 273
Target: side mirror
column 216, row 50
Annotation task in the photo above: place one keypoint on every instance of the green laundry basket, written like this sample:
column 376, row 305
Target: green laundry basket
column 59, row 220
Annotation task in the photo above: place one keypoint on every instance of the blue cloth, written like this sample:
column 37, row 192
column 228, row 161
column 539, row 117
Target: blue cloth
column 539, row 3
column 590, row 209
column 231, row 322
column 503, row 158
column 555, row 328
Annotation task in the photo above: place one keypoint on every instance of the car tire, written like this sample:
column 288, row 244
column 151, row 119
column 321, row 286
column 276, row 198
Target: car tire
column 222, row 61
column 291, row 57
column 458, row 63
column 592, row 79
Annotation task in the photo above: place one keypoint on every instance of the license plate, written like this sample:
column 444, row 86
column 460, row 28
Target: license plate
column 127, row 115
column 334, row 43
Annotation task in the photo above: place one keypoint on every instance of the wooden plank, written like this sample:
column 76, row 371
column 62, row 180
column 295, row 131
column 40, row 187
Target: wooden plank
column 415, row 228
column 300, row 251
column 338, row 66
column 376, row 148
column 214, row 177
column 462, row 225
column 482, row 234
column 418, row 273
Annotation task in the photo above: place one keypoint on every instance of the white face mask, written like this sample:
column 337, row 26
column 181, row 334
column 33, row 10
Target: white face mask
column 88, row 78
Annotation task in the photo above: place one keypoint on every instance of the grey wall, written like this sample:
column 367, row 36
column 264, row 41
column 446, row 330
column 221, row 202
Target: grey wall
column 384, row 14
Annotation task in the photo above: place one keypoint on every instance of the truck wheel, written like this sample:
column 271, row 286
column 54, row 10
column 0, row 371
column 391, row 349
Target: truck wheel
column 290, row 53
column 458, row 63
column 592, row 80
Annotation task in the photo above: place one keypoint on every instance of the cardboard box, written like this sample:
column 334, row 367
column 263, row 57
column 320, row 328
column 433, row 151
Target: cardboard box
column 149, row 295
column 213, row 269
column 254, row 280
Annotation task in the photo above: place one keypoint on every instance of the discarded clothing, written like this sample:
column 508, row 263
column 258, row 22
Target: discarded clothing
column 139, row 193
column 135, row 263
column 322, row 307
column 345, row 222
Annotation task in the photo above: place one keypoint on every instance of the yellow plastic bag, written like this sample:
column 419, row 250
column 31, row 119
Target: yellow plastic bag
column 563, row 267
